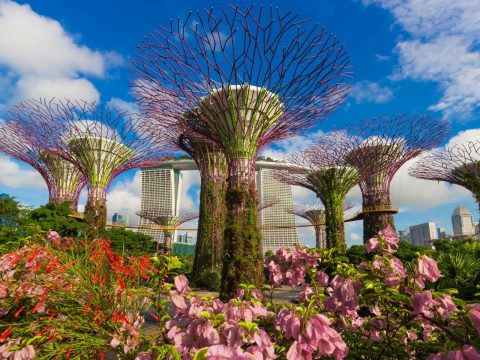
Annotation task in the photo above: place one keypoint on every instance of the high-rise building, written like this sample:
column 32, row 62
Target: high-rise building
column 442, row 233
column 423, row 234
column 120, row 219
column 185, row 238
column 462, row 222
column 271, row 217
column 161, row 190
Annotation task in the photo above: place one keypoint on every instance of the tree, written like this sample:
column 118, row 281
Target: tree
column 130, row 243
column 241, row 78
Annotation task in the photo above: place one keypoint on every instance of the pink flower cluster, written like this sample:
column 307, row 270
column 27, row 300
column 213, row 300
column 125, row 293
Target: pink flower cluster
column 391, row 268
column 386, row 241
column 228, row 330
column 289, row 267
column 426, row 305
column 314, row 339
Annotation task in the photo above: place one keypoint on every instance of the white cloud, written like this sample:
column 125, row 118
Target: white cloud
column 289, row 146
column 45, row 59
column 122, row 105
column 34, row 87
column 368, row 91
column 13, row 175
column 442, row 48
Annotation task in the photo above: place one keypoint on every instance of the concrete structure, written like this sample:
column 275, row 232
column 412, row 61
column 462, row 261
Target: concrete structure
column 160, row 191
column 442, row 233
column 120, row 219
column 269, row 188
column 423, row 234
column 462, row 222
column 185, row 238
column 161, row 188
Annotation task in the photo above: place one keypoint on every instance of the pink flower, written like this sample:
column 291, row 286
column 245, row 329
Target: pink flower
column 306, row 290
column 423, row 303
column 181, row 283
column 470, row 353
column 428, row 269
column 219, row 352
column 322, row 278
column 275, row 273
column 371, row 245
column 475, row 319
column 446, row 307
column 390, row 237
column 287, row 322
column 53, row 236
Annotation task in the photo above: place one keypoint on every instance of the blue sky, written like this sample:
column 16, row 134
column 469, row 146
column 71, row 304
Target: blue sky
column 407, row 56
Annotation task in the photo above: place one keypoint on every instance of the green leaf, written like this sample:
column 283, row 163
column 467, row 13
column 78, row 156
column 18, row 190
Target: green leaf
column 201, row 354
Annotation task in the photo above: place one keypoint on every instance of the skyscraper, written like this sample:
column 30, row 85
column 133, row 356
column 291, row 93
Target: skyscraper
column 423, row 234
column 462, row 222
column 269, row 188
column 161, row 189
column 120, row 219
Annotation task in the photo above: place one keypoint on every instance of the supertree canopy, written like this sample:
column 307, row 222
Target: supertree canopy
column 168, row 222
column 324, row 168
column 245, row 77
column 390, row 141
column 458, row 165
column 315, row 215
column 64, row 180
column 99, row 141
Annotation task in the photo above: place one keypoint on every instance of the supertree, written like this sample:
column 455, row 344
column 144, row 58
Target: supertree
column 459, row 164
column 63, row 179
column 212, row 167
column 315, row 215
column 168, row 222
column 245, row 77
column 99, row 141
column 326, row 168
column 391, row 141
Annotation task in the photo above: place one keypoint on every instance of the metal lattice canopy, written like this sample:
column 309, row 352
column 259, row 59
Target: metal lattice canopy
column 64, row 180
column 391, row 141
column 335, row 162
column 166, row 219
column 458, row 165
column 249, row 75
column 100, row 141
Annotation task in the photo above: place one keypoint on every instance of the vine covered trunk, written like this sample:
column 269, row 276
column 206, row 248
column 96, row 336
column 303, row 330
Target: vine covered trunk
column 319, row 236
column 96, row 211
column 242, row 257
column 374, row 221
column 334, row 222
column 211, row 226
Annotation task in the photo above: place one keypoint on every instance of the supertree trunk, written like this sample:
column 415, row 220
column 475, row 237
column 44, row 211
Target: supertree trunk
column 242, row 257
column 95, row 213
column 320, row 236
column 376, row 196
column 334, row 221
column 167, row 240
column 211, row 225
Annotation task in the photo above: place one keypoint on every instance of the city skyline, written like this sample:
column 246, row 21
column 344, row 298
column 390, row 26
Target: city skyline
column 386, row 46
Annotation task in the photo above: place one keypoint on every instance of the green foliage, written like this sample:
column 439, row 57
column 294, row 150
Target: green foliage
column 131, row 243
column 9, row 209
column 209, row 280
column 408, row 252
column 242, row 258
column 54, row 216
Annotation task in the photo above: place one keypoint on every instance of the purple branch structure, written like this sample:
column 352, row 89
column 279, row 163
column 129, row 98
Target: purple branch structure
column 458, row 165
column 99, row 141
column 168, row 222
column 331, row 166
column 389, row 142
column 315, row 215
column 241, row 77
column 63, row 179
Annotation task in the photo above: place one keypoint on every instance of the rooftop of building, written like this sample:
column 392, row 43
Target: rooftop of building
column 461, row 211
